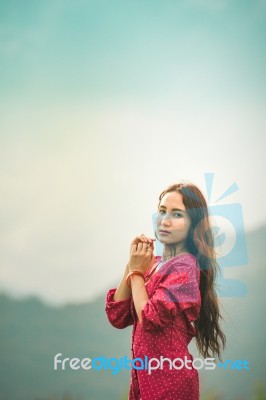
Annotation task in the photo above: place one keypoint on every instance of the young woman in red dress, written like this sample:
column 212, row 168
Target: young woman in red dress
column 170, row 299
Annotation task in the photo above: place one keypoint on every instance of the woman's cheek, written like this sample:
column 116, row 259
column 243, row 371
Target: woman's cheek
column 158, row 222
column 180, row 225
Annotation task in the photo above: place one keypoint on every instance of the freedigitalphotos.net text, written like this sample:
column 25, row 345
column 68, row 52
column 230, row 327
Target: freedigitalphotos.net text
column 150, row 364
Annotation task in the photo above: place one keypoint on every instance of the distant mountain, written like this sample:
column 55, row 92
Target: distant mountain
column 33, row 333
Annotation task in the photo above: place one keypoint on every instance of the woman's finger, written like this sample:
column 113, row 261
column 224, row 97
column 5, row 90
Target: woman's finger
column 137, row 239
column 150, row 253
column 151, row 245
column 133, row 248
column 140, row 246
column 144, row 238
column 145, row 246
column 150, row 240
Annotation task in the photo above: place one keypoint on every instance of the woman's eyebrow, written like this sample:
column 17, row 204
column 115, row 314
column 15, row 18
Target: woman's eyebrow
column 173, row 209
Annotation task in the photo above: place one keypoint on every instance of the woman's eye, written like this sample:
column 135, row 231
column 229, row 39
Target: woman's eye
column 177, row 214
column 161, row 211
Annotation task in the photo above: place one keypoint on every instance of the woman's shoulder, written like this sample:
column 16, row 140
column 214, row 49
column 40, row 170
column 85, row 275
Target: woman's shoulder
column 180, row 262
column 181, row 258
column 184, row 258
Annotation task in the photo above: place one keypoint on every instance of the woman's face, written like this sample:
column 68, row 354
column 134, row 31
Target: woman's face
column 173, row 222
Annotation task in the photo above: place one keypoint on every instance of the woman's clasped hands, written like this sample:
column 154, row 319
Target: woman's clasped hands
column 141, row 254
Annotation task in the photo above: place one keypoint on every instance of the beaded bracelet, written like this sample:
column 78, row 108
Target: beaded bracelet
column 131, row 274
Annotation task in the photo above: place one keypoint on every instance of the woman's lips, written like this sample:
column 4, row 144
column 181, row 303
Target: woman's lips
column 164, row 232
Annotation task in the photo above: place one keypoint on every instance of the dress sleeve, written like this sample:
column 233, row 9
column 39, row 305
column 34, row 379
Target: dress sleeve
column 118, row 312
column 177, row 291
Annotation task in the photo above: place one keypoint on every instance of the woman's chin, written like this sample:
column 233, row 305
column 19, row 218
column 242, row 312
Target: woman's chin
column 164, row 240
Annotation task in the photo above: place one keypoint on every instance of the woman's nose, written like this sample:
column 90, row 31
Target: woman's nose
column 166, row 220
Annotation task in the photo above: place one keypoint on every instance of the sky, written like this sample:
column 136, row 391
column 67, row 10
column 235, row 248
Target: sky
column 103, row 105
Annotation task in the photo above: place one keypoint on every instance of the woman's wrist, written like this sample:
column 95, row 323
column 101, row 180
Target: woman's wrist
column 131, row 274
column 134, row 267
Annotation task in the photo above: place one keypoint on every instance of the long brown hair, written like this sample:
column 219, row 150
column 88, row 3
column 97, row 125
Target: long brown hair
column 209, row 338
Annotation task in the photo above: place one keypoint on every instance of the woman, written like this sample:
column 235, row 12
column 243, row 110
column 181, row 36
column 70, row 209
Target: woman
column 170, row 299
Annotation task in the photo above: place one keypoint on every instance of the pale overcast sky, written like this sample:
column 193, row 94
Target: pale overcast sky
column 103, row 105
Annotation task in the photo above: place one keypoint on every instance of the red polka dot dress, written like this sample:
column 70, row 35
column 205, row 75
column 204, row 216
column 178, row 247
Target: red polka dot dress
column 165, row 331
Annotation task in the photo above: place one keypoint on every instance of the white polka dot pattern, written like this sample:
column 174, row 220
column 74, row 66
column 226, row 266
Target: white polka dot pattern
column 166, row 329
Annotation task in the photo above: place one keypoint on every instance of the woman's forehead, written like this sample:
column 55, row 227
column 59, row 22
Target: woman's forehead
column 173, row 200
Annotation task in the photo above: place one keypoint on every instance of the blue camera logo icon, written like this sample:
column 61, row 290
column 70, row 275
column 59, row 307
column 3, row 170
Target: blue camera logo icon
column 229, row 239
column 229, row 234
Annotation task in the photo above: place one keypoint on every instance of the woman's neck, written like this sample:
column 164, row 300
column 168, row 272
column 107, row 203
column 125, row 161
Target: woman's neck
column 173, row 251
